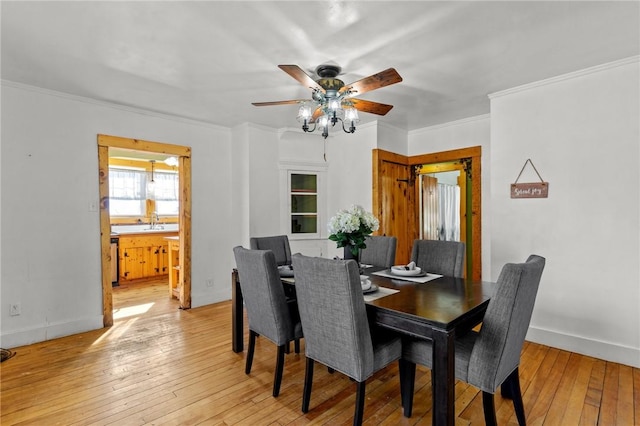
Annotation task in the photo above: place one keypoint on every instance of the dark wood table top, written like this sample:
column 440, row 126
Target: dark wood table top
column 441, row 303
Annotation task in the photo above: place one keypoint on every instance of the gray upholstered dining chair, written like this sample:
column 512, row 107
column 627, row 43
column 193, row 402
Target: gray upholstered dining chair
column 380, row 251
column 337, row 331
column 439, row 257
column 489, row 358
column 278, row 244
column 268, row 312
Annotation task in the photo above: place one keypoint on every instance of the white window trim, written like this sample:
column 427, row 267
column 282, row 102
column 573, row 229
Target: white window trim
column 320, row 170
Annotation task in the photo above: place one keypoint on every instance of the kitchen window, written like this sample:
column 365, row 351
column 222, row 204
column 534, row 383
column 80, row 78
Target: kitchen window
column 129, row 192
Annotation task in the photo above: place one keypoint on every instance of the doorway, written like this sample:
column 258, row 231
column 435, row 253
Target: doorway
column 183, row 154
column 444, row 211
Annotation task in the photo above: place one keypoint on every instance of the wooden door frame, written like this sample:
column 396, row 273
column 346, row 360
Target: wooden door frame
column 184, row 169
column 451, row 166
column 473, row 156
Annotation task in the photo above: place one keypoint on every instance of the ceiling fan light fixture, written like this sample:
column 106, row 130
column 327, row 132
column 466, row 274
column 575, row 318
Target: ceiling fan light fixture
column 334, row 104
column 332, row 100
column 323, row 122
column 304, row 113
column 351, row 115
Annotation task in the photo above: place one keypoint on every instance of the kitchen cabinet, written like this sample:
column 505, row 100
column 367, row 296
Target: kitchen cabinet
column 143, row 256
column 176, row 277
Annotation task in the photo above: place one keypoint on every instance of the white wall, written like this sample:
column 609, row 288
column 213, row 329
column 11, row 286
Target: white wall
column 51, row 241
column 582, row 133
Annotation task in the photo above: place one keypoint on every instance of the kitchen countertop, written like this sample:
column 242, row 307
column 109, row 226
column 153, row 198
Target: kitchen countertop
column 145, row 229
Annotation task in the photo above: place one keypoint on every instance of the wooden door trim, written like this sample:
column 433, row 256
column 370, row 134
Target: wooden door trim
column 472, row 153
column 184, row 169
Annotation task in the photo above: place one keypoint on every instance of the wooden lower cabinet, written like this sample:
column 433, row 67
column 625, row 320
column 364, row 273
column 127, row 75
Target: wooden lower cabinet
column 143, row 256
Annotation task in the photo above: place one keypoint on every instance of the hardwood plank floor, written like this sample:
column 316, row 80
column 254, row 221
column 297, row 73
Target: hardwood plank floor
column 165, row 366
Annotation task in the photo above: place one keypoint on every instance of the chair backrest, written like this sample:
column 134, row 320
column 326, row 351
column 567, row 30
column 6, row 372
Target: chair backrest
column 264, row 297
column 439, row 257
column 496, row 352
column 380, row 251
column 278, row 244
column 333, row 315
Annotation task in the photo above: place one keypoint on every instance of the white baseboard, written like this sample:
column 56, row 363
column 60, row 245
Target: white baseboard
column 45, row 332
column 202, row 299
column 607, row 351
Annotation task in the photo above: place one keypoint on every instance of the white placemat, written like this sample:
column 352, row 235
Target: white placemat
column 381, row 292
column 387, row 273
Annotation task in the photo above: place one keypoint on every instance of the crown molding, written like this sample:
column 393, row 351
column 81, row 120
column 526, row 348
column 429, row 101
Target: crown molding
column 568, row 76
column 450, row 124
column 112, row 105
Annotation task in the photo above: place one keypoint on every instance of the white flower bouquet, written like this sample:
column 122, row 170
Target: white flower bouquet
column 350, row 227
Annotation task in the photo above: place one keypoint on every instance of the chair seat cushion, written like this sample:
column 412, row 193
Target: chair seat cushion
column 387, row 347
column 420, row 352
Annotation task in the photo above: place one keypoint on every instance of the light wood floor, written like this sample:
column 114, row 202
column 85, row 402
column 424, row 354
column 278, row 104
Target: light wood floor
column 161, row 365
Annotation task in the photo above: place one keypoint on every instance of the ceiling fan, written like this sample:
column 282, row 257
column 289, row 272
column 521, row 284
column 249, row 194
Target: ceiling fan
column 332, row 100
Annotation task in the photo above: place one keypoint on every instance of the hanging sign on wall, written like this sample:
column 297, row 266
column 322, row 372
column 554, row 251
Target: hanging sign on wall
column 531, row 189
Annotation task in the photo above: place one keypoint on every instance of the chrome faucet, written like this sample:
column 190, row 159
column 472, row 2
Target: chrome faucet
column 154, row 220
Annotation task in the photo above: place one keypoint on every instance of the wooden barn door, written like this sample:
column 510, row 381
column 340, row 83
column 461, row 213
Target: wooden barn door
column 394, row 201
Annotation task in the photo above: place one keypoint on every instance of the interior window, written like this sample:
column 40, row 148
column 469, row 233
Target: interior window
column 129, row 190
column 304, row 203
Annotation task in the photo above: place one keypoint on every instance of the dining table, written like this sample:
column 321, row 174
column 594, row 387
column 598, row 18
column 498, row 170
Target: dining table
column 437, row 308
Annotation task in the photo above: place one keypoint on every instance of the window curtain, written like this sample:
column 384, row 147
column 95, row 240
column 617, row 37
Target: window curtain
column 166, row 186
column 128, row 192
column 449, row 204
column 126, row 184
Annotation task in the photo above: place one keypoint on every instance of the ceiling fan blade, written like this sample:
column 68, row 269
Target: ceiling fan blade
column 299, row 74
column 371, row 107
column 376, row 81
column 292, row 101
column 316, row 114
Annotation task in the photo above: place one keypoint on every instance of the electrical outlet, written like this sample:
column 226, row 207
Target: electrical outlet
column 14, row 309
column 210, row 282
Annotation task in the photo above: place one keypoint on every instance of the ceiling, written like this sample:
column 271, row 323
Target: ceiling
column 208, row 60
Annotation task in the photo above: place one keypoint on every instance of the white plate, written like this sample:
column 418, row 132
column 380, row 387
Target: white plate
column 400, row 270
column 371, row 289
column 285, row 271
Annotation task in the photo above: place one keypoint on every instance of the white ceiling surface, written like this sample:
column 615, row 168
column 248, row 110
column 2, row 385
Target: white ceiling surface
column 209, row 60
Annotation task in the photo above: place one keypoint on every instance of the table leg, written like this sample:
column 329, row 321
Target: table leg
column 443, row 376
column 237, row 314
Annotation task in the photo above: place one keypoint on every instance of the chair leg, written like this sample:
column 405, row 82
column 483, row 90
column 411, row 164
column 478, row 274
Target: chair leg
column 296, row 345
column 306, row 391
column 359, row 413
column 252, row 347
column 513, row 384
column 279, row 368
column 489, row 409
